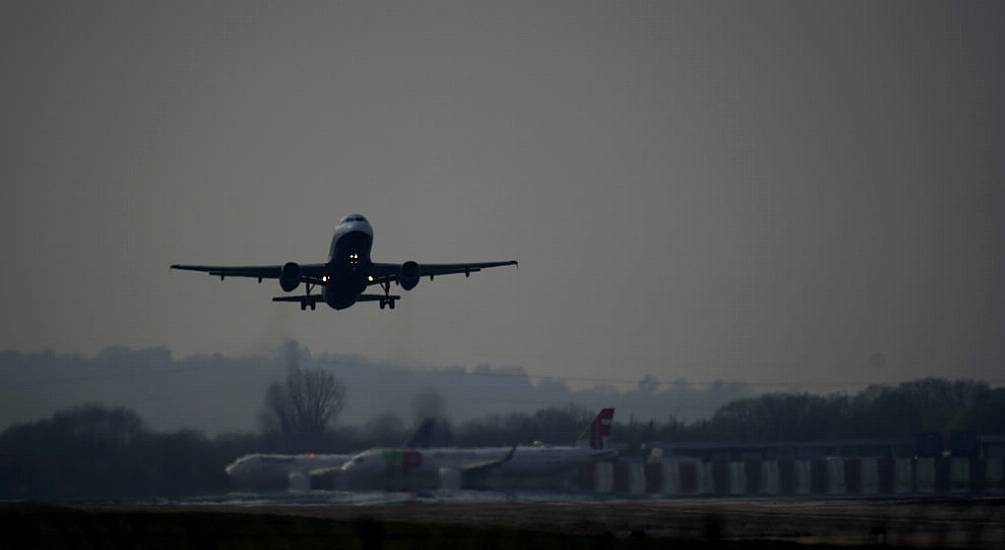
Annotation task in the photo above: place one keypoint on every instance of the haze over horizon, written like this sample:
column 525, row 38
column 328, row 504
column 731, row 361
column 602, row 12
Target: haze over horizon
column 779, row 191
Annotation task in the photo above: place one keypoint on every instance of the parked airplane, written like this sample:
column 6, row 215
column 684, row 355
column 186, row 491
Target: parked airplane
column 347, row 273
column 537, row 467
column 278, row 472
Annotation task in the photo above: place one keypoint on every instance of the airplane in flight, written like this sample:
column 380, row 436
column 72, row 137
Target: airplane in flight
column 348, row 272
column 532, row 467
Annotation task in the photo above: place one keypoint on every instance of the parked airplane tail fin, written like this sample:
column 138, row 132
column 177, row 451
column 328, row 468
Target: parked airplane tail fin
column 423, row 436
column 600, row 428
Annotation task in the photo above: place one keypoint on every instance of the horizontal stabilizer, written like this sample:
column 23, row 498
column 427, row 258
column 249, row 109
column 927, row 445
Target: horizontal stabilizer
column 376, row 298
column 306, row 299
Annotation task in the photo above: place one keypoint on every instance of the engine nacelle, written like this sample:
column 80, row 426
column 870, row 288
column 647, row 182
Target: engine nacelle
column 289, row 276
column 299, row 482
column 451, row 479
column 409, row 275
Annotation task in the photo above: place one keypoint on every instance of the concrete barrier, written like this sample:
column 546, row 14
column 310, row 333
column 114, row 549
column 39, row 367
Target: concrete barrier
column 993, row 483
column 769, row 477
column 903, row 476
column 959, row 475
column 886, row 475
column 671, row 478
column 818, row 476
column 681, row 476
column 737, row 478
column 636, row 479
column 853, row 475
column 803, row 473
column 603, row 477
column 706, row 481
column 869, row 475
column 924, row 475
column 942, row 475
column 690, row 476
column 752, row 474
column 720, row 477
column 620, row 477
column 654, row 477
column 835, row 476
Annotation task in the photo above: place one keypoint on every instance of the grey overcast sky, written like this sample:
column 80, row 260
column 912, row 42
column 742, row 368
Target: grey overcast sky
column 761, row 191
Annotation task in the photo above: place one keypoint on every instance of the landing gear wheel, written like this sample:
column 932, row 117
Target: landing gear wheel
column 303, row 306
column 314, row 306
column 383, row 303
column 391, row 304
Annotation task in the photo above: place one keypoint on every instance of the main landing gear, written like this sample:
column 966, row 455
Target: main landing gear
column 387, row 301
column 308, row 300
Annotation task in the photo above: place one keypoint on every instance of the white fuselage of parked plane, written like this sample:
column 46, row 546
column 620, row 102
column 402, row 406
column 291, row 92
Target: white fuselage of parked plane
column 277, row 471
column 427, row 467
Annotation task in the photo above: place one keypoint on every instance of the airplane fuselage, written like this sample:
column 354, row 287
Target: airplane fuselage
column 348, row 262
column 418, row 468
column 278, row 472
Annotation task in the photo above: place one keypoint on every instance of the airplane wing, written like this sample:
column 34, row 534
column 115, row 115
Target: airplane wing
column 389, row 272
column 310, row 271
column 485, row 465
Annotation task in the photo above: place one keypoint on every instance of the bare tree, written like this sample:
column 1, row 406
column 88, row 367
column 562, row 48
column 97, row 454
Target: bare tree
column 299, row 409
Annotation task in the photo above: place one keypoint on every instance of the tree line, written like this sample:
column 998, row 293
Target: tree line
column 98, row 451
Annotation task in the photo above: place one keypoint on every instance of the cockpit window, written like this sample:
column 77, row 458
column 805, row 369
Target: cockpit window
column 355, row 218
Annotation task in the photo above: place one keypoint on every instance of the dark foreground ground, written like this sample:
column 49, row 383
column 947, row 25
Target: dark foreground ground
column 719, row 523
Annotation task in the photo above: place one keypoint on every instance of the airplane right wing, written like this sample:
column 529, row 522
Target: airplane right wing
column 391, row 272
column 306, row 271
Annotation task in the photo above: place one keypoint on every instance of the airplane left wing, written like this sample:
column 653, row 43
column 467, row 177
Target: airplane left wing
column 485, row 465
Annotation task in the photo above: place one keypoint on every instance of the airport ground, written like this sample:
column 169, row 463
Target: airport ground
column 642, row 523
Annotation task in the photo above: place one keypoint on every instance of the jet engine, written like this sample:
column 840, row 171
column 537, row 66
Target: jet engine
column 409, row 275
column 451, row 479
column 289, row 276
column 299, row 482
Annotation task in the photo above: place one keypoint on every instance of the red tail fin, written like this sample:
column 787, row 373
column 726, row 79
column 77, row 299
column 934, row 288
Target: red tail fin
column 600, row 428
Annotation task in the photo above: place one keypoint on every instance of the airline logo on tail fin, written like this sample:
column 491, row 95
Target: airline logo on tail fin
column 600, row 429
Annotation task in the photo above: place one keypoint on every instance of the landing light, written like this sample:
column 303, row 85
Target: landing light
column 369, row 278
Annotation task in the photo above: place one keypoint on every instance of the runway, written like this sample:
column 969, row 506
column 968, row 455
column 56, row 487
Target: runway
column 901, row 522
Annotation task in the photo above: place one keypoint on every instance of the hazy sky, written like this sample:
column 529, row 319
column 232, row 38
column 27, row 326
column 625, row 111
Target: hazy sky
column 795, row 191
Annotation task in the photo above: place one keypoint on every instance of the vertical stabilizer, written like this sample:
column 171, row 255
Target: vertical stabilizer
column 600, row 428
column 423, row 436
